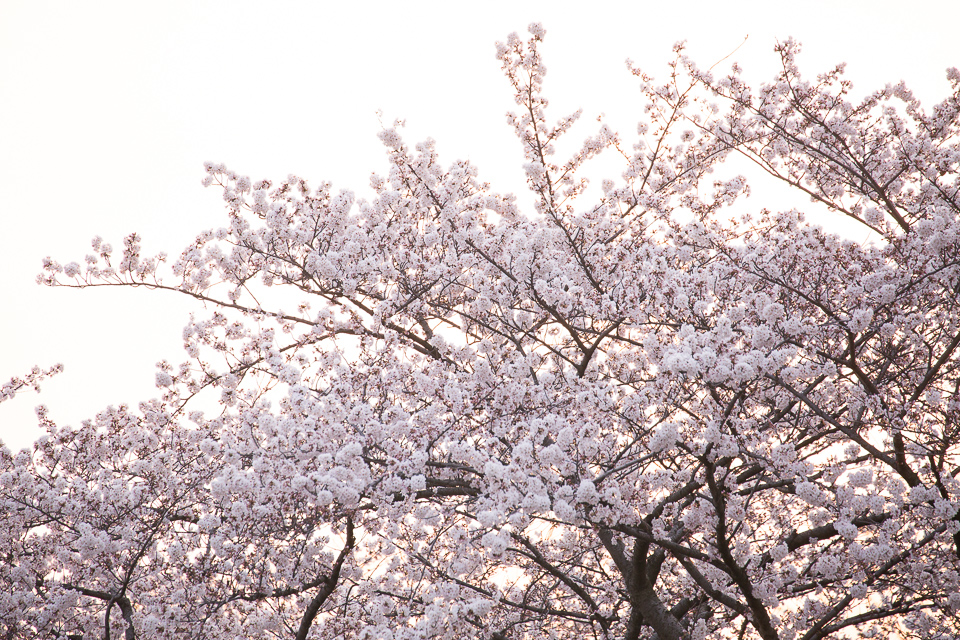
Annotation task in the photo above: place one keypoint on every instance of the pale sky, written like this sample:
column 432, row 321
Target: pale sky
column 109, row 108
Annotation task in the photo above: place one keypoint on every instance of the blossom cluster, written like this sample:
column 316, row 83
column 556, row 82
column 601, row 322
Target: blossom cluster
column 626, row 414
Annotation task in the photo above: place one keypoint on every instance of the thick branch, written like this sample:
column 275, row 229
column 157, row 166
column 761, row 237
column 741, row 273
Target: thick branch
column 328, row 588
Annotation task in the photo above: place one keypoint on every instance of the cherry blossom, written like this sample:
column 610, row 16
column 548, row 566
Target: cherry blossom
column 640, row 412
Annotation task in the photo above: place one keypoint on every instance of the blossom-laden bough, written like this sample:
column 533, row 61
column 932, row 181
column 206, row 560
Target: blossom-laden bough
column 626, row 414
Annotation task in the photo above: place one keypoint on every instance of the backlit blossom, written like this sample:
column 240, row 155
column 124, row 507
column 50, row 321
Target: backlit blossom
column 431, row 410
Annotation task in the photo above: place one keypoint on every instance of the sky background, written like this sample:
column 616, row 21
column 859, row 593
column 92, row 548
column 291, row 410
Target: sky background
column 109, row 109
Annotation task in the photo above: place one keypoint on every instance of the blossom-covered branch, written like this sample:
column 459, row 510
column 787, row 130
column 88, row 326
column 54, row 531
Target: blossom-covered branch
column 632, row 412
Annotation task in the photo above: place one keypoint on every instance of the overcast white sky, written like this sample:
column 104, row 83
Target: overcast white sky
column 109, row 108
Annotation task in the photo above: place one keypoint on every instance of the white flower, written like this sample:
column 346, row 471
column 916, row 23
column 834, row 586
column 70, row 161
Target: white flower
column 810, row 493
column 496, row 542
column 772, row 312
column 390, row 138
column 860, row 477
column 846, row 529
column 827, row 565
column 208, row 522
column 563, row 510
column 348, row 453
column 860, row 320
column 488, row 518
column 494, row 470
column 587, row 492
column 744, row 371
column 953, row 600
column 664, row 437
column 418, row 482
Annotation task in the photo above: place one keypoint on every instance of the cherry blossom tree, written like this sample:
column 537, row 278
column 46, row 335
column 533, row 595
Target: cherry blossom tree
column 634, row 412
